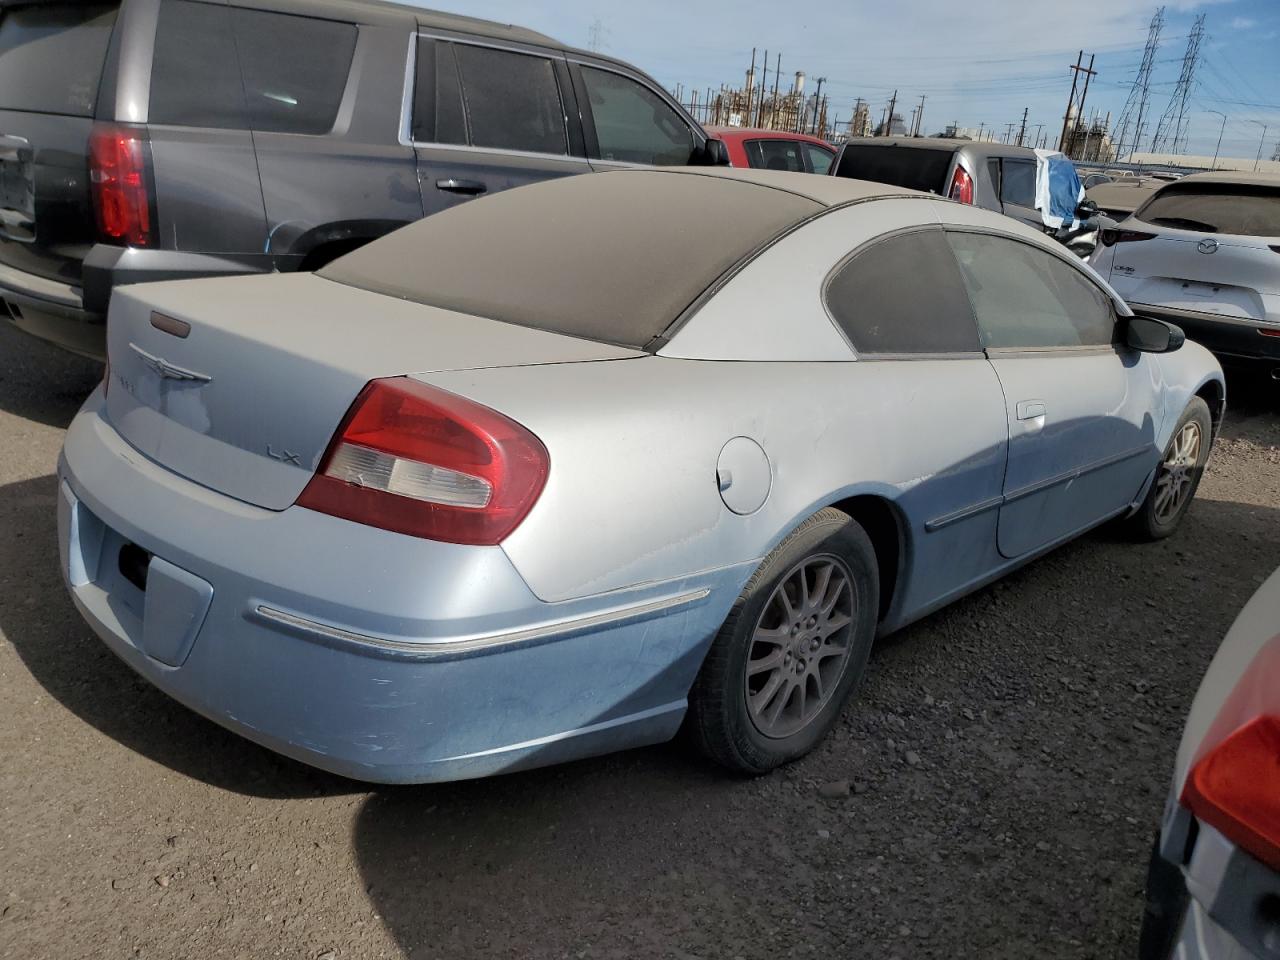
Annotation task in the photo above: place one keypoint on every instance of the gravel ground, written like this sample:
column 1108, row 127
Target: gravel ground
column 991, row 793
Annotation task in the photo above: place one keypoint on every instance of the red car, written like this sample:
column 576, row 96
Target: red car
column 775, row 149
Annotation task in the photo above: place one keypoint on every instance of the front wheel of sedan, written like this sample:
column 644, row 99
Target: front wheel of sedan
column 1178, row 475
column 792, row 649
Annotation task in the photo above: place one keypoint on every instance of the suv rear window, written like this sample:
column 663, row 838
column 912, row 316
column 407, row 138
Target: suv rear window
column 913, row 167
column 1242, row 210
column 51, row 56
column 293, row 69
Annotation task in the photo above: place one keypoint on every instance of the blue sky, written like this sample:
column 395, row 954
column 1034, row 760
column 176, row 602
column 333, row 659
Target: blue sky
column 977, row 61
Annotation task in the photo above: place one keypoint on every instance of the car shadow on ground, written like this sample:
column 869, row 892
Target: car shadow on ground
column 39, row 382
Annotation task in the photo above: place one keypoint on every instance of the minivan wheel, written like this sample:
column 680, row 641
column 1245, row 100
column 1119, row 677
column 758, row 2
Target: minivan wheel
column 792, row 649
column 1178, row 475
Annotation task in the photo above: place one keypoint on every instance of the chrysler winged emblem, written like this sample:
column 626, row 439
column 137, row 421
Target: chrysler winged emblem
column 170, row 371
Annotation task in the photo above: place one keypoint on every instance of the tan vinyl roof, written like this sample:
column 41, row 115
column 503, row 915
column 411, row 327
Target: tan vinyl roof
column 614, row 257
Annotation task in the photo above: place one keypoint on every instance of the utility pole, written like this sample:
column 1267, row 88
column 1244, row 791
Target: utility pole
column 911, row 124
column 1039, row 127
column 981, row 127
column 751, row 86
column 817, row 97
column 773, row 111
column 1064, row 144
column 764, row 85
column 1261, row 141
column 1023, row 132
column 882, row 126
column 919, row 117
column 1214, row 165
column 892, row 103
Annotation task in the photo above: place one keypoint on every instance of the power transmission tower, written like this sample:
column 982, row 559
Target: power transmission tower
column 1139, row 93
column 1171, row 125
column 596, row 34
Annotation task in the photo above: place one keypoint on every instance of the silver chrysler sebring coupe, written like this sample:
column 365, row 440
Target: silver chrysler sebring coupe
column 558, row 471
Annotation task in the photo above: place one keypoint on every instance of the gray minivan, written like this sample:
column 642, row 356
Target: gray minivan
column 159, row 139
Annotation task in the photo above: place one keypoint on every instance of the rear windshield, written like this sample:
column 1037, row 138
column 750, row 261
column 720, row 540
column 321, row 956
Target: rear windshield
column 1244, row 211
column 51, row 56
column 614, row 257
column 912, row 167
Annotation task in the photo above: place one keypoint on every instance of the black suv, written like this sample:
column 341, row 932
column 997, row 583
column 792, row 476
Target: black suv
column 157, row 139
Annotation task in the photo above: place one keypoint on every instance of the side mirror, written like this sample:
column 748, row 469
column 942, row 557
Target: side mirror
column 1153, row 336
column 1087, row 210
column 712, row 154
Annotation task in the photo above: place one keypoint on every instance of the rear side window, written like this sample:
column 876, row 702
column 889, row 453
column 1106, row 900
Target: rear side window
column 1028, row 299
column 437, row 96
column 1216, row 208
column 1018, row 183
column 775, row 155
column 511, row 100
column 819, row 158
column 912, row 167
column 51, row 56
column 903, row 295
column 633, row 124
column 229, row 67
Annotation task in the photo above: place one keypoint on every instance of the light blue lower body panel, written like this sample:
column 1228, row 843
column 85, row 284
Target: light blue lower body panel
column 376, row 656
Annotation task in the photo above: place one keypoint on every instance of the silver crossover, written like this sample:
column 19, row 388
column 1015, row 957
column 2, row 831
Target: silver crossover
column 552, row 473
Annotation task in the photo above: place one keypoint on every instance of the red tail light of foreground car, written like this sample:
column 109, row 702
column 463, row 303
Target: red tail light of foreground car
column 418, row 460
column 1236, row 789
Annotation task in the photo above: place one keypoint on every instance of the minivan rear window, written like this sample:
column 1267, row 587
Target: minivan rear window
column 1242, row 210
column 913, row 167
column 51, row 56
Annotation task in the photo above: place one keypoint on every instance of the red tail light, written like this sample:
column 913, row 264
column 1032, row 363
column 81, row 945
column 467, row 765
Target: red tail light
column 1111, row 237
column 961, row 186
column 419, row 460
column 120, row 181
column 1236, row 789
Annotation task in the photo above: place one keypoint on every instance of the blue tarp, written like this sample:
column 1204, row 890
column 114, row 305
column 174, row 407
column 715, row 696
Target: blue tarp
column 1058, row 189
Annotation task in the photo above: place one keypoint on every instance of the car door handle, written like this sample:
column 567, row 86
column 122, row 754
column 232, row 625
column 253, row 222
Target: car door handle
column 469, row 188
column 1030, row 409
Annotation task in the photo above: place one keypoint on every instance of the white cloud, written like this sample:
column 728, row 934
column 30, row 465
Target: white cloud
column 1243, row 23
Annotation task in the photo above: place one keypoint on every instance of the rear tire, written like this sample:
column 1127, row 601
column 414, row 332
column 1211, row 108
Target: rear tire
column 793, row 648
column 1177, row 476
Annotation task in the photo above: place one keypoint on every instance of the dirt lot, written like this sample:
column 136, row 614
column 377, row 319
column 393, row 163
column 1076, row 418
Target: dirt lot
column 1008, row 759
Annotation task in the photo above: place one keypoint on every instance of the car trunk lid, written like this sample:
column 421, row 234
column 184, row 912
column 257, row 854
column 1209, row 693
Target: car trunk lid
column 240, row 383
column 51, row 64
column 1208, row 273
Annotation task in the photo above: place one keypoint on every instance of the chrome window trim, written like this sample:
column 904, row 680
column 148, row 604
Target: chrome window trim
column 455, row 648
column 406, row 105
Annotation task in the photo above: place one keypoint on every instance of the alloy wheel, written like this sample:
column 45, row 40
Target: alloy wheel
column 1177, row 473
column 800, row 646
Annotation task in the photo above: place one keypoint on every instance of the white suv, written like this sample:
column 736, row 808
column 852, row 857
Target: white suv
column 1204, row 252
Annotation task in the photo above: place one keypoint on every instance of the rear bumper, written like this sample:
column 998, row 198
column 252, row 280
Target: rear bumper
column 372, row 655
column 74, row 318
column 1232, row 337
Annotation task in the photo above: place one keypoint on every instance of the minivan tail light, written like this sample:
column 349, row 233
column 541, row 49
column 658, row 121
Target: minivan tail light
column 961, row 186
column 120, row 182
column 419, row 460
column 1111, row 237
column 1235, row 788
